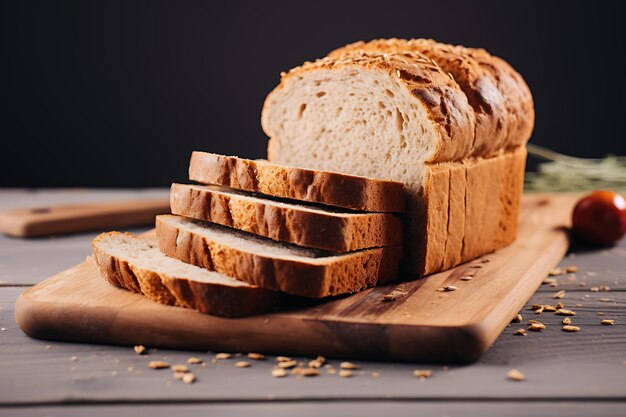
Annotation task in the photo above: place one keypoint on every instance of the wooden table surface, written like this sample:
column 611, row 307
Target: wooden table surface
column 566, row 373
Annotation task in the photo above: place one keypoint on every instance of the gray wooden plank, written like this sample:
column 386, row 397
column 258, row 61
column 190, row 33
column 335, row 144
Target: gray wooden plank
column 343, row 408
column 29, row 261
column 559, row 366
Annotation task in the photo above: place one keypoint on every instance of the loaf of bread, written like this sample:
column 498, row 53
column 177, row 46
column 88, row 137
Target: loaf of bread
column 274, row 265
column 138, row 265
column 449, row 122
column 311, row 226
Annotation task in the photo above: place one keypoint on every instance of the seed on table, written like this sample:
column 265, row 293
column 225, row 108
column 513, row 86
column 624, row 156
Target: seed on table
column 223, row 356
column 179, row 375
column 559, row 306
column 194, row 361
column 537, row 327
column 604, row 288
column 422, row 373
column 345, row 373
column 140, row 349
column 279, row 373
column 556, row 272
column 559, row 294
column 517, row 319
column 389, row 297
column 549, row 308
column 242, row 364
column 520, row 332
column 256, row 356
column 287, row 364
column 567, row 321
column 571, row 269
column 515, row 375
column 539, row 310
column 549, row 281
column 158, row 365
column 348, row 365
column 189, row 378
column 283, row 359
column 467, row 278
column 305, row 372
column 608, row 322
column 180, row 368
column 564, row 312
column 571, row 329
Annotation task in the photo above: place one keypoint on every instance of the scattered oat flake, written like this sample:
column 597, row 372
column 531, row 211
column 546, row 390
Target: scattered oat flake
column 566, row 321
column 594, row 289
column 559, row 294
column 189, row 378
column 158, row 365
column 256, row 356
column 287, row 364
column 556, row 272
column 180, row 368
column 279, row 373
column 571, row 269
column 515, row 375
column 345, row 373
column 520, row 332
column 73, row 358
column 375, row 374
column 608, row 322
column 600, row 313
column 539, row 310
column 348, row 365
column 554, row 284
column 422, row 373
column 570, row 328
column 179, row 375
column 604, row 288
column 448, row 288
column 242, row 364
column 531, row 321
column 537, row 327
column 535, row 307
column 559, row 306
column 331, row 371
column 194, row 361
column 389, row 297
column 549, row 281
column 223, row 356
column 564, row 312
column 476, row 266
column 140, row 349
column 3, row 329
column 305, row 371
column 606, row 300
column 467, row 278
column 283, row 359
column 517, row 319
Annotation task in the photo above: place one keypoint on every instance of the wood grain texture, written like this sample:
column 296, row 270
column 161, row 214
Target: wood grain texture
column 422, row 324
column 52, row 220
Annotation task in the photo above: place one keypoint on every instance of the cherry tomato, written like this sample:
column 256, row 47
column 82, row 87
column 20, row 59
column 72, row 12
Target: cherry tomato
column 600, row 218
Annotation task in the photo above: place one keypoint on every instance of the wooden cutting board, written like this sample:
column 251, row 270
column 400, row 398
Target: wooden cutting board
column 422, row 324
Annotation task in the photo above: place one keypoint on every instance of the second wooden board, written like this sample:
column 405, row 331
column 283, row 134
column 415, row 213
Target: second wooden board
column 421, row 324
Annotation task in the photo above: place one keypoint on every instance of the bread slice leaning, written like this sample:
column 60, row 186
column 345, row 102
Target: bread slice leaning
column 323, row 187
column 274, row 265
column 138, row 265
column 305, row 225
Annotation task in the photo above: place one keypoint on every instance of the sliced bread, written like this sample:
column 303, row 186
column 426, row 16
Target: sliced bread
column 138, row 265
column 274, row 265
column 323, row 187
column 305, row 225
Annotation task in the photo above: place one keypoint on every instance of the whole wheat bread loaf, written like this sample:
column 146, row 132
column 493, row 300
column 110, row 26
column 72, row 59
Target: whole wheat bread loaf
column 316, row 186
column 330, row 229
column 448, row 122
column 274, row 265
column 138, row 265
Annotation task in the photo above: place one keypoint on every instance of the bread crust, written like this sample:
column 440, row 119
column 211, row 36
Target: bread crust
column 322, row 187
column 479, row 85
column 291, row 223
column 210, row 298
column 340, row 274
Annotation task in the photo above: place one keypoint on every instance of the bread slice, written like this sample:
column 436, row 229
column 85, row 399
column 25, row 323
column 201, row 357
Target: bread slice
column 138, row 265
column 273, row 265
column 392, row 112
column 328, row 188
column 305, row 225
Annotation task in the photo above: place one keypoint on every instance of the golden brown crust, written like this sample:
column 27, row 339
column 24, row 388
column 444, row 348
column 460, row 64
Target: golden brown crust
column 501, row 100
column 210, row 298
column 288, row 223
column 339, row 274
column 329, row 188
column 444, row 100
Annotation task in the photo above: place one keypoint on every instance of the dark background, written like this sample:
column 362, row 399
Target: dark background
column 119, row 93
